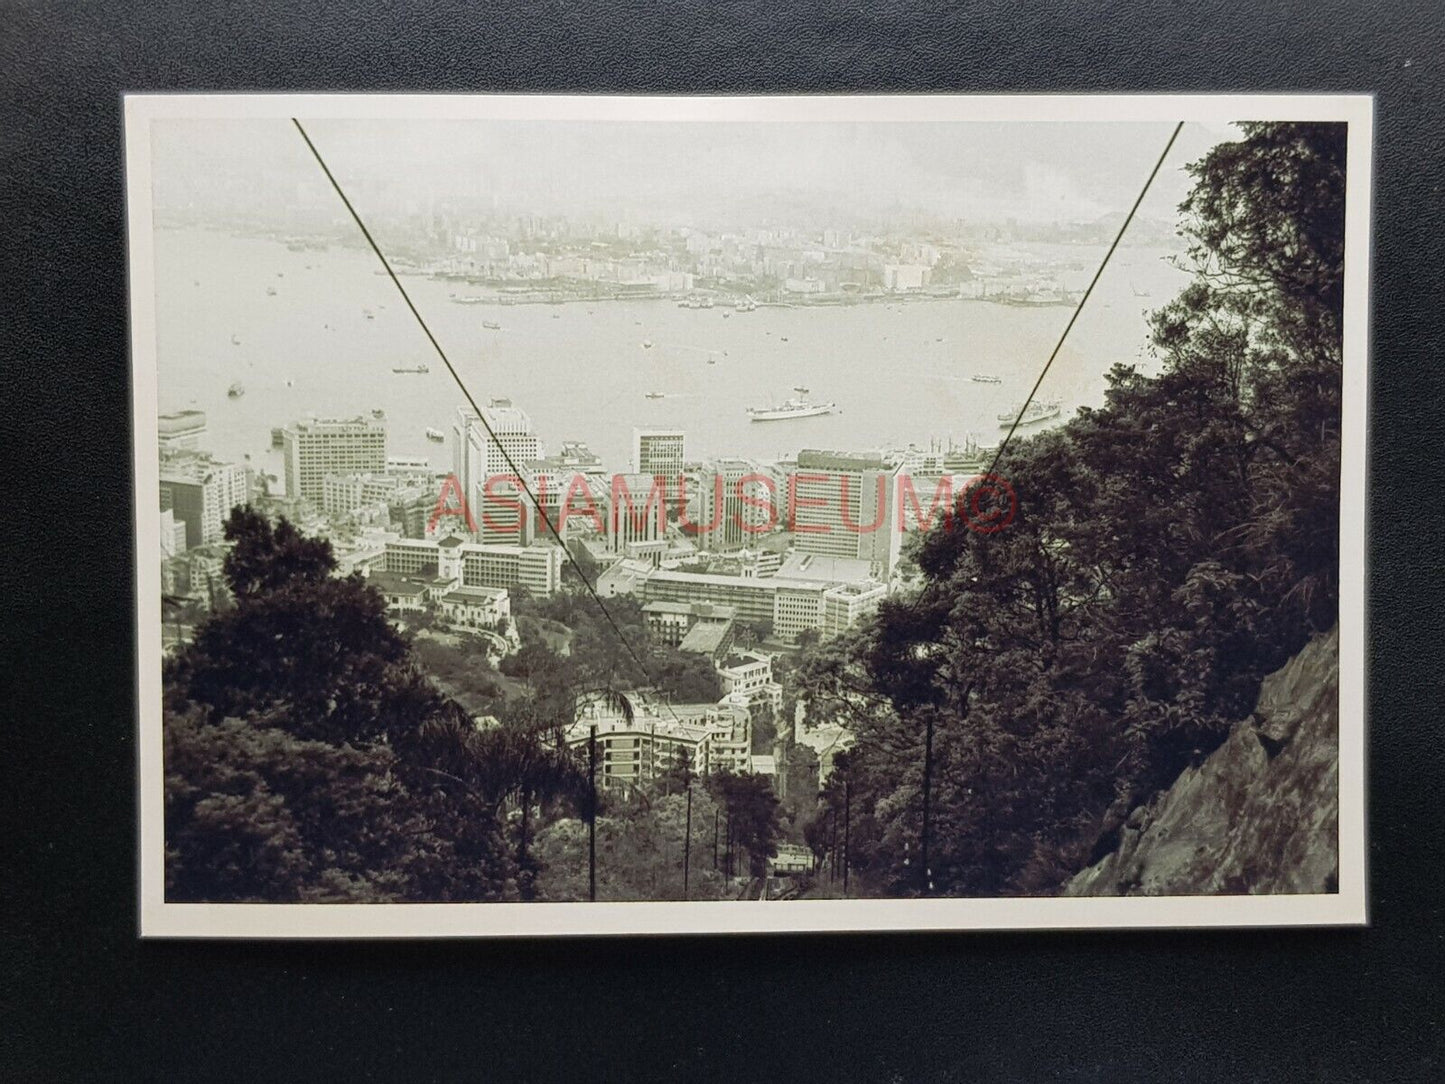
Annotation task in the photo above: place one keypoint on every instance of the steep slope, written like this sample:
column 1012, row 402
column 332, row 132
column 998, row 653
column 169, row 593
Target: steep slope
column 1260, row 815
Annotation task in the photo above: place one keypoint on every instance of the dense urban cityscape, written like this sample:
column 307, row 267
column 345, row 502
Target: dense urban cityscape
column 732, row 562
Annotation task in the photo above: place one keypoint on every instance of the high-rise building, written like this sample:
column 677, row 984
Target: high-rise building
column 182, row 430
column 657, row 451
column 637, row 509
column 315, row 447
column 736, row 501
column 477, row 456
column 201, row 491
column 840, row 505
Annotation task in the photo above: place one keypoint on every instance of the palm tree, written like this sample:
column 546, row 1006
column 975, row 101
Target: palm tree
column 527, row 760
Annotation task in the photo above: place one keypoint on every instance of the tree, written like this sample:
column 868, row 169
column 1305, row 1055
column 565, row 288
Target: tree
column 753, row 822
column 1172, row 547
column 299, row 759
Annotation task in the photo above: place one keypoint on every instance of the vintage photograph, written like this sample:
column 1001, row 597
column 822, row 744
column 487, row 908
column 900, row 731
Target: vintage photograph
column 648, row 515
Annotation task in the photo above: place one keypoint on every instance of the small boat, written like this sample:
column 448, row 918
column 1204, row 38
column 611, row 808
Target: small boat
column 290, row 383
column 491, row 325
column 1036, row 412
column 783, row 338
column 986, row 378
column 422, row 369
column 791, row 408
column 368, row 314
column 712, row 361
column 235, row 340
column 270, row 291
column 647, row 344
column 726, row 315
column 236, row 390
column 800, row 389
column 436, row 436
column 654, row 395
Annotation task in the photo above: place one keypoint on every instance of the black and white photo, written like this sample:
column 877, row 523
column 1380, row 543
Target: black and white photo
column 646, row 515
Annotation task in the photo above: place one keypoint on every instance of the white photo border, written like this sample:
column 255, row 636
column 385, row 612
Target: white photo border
column 1347, row 907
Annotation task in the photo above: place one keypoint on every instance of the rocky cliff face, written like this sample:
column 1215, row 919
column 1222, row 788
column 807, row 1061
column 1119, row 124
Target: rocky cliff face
column 1260, row 815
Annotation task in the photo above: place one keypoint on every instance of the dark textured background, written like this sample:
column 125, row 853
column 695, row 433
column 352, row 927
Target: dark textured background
column 82, row 998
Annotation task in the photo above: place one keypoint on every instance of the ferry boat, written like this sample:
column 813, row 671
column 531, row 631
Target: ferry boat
column 414, row 369
column 792, row 408
column 436, row 436
column 986, row 378
column 236, row 390
column 1036, row 412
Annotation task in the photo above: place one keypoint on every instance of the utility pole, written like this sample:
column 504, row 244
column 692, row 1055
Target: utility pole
column 687, row 841
column 847, row 821
column 833, row 844
column 715, row 817
column 592, row 815
column 927, row 785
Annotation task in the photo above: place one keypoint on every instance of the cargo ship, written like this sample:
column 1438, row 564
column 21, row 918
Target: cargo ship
column 1036, row 412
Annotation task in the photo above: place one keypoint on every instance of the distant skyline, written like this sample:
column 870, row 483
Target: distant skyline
column 710, row 175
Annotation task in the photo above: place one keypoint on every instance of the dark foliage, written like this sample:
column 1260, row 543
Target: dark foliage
column 1170, row 549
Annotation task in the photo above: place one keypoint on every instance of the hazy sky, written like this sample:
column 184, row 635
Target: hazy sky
column 1034, row 172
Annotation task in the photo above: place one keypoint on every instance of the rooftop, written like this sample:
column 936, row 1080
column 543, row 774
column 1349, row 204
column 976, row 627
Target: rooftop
column 393, row 583
column 475, row 594
column 816, row 459
column 707, row 579
column 818, row 568
column 705, row 639
column 375, row 420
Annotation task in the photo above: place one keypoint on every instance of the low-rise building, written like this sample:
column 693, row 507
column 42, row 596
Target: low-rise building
column 537, row 567
column 670, row 622
column 713, row 737
column 623, row 578
column 849, row 603
column 710, row 640
column 408, row 594
column 477, row 608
